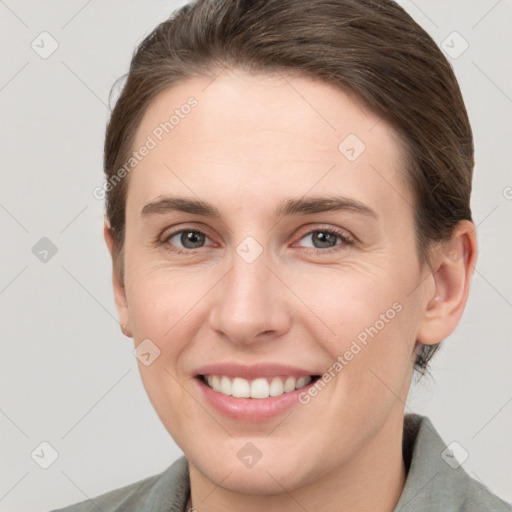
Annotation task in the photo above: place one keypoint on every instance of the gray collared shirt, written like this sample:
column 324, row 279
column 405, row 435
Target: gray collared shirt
column 434, row 482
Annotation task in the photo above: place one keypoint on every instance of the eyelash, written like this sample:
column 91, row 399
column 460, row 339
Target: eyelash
column 346, row 241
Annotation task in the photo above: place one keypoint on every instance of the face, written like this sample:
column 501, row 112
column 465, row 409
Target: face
column 269, row 241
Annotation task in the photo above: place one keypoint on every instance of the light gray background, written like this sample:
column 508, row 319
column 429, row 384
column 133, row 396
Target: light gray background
column 68, row 374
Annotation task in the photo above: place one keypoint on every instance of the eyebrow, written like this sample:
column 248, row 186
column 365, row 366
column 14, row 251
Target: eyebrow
column 287, row 207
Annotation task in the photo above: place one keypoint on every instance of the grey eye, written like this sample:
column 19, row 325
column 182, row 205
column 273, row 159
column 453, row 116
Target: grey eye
column 322, row 239
column 188, row 239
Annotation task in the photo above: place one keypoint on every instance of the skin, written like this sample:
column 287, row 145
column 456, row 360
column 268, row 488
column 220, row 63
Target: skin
column 251, row 142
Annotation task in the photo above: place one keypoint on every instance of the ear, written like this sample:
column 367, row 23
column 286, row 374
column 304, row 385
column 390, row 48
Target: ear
column 118, row 284
column 454, row 264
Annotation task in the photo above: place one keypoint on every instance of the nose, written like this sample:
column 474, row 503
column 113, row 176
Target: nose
column 250, row 304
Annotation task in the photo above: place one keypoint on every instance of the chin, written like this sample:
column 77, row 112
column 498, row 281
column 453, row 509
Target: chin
column 264, row 481
column 265, row 477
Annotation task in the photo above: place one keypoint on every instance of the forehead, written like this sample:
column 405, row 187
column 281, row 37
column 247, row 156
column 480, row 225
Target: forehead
column 263, row 134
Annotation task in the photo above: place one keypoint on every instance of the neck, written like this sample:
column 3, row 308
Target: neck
column 372, row 480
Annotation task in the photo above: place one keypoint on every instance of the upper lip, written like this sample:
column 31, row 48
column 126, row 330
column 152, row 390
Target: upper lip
column 252, row 371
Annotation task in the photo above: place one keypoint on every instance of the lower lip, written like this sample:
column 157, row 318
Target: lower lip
column 251, row 409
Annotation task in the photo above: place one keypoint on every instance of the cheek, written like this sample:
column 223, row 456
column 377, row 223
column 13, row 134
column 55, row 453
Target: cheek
column 364, row 320
column 160, row 300
column 378, row 362
column 160, row 309
column 346, row 304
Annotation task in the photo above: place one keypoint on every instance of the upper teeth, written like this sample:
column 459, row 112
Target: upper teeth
column 257, row 388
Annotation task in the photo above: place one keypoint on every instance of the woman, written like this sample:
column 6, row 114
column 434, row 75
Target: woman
column 288, row 213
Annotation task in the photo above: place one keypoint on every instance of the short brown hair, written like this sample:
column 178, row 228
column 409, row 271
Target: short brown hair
column 370, row 47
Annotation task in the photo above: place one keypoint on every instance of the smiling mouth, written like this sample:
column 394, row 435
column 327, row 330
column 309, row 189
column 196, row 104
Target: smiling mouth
column 261, row 387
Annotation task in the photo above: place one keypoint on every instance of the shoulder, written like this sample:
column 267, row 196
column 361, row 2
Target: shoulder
column 435, row 479
column 165, row 491
column 478, row 498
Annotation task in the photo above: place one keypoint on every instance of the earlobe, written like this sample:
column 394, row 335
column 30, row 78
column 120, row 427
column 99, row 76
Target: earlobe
column 108, row 237
column 127, row 332
column 455, row 261
column 118, row 284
